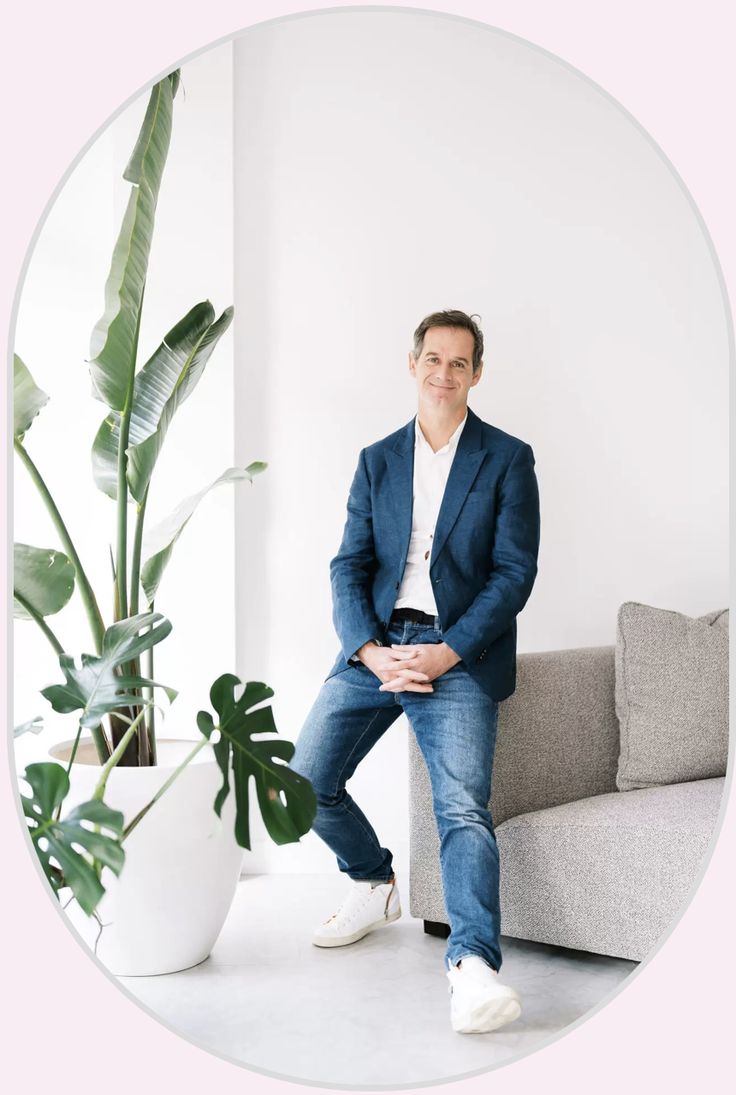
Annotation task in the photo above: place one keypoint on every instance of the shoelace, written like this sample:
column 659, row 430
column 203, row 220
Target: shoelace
column 351, row 906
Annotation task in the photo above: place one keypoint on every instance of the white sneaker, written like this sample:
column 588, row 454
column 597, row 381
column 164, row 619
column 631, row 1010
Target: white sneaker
column 479, row 1001
column 365, row 908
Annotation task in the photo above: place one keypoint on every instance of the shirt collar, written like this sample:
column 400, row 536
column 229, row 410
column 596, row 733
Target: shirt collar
column 421, row 440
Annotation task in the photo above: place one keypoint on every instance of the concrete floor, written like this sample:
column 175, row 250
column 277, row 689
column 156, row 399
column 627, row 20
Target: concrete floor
column 374, row 1014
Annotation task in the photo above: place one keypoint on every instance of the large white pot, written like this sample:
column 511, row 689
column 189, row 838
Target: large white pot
column 182, row 862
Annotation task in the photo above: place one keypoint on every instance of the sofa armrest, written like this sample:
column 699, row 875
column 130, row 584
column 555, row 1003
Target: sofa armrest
column 557, row 739
column 558, row 734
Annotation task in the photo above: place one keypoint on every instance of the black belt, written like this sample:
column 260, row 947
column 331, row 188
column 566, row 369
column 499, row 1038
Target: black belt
column 413, row 614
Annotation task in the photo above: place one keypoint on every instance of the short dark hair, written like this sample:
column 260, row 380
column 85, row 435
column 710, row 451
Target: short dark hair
column 451, row 318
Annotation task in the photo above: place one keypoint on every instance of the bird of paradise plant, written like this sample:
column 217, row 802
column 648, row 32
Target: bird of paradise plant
column 112, row 683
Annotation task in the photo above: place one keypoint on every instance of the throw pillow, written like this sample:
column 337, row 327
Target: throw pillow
column 671, row 695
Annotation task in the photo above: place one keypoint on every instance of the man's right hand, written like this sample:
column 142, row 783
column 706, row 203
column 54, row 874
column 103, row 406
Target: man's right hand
column 390, row 665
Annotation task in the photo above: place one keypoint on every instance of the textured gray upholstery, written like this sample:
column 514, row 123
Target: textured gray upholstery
column 583, row 864
column 608, row 873
column 671, row 695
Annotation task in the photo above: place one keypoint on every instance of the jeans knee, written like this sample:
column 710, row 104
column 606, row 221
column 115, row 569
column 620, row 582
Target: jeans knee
column 322, row 781
column 304, row 764
column 463, row 815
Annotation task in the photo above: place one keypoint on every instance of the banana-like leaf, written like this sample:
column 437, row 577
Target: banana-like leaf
column 61, row 839
column 113, row 345
column 93, row 689
column 43, row 578
column 168, row 378
column 159, row 542
column 287, row 818
column 34, row 726
column 28, row 399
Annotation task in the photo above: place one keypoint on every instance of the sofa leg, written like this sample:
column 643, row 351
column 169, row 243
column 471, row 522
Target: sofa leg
column 433, row 927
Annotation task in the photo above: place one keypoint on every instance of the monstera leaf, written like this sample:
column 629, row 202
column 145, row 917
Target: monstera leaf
column 287, row 818
column 159, row 389
column 61, row 839
column 93, row 689
column 43, row 581
column 159, row 542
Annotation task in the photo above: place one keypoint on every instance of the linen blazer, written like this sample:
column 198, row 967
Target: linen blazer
column 484, row 550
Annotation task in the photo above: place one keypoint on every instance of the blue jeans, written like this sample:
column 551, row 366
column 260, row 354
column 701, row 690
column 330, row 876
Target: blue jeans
column 455, row 728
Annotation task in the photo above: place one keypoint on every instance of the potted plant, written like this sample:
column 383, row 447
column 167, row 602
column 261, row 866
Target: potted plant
column 148, row 852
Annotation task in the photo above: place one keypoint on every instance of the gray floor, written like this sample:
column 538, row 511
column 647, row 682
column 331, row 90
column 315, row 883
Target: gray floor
column 374, row 1014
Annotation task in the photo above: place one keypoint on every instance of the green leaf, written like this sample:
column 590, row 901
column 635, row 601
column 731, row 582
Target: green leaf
column 93, row 689
column 138, row 165
column 286, row 819
column 60, row 839
column 158, row 543
column 43, row 578
column 34, row 726
column 160, row 387
column 28, row 399
column 114, row 340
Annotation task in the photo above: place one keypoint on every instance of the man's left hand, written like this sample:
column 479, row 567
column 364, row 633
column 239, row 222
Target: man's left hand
column 434, row 659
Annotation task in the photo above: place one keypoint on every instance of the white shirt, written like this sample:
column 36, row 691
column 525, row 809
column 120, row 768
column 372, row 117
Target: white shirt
column 431, row 470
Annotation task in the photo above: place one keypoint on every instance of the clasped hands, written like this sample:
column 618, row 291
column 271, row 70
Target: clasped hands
column 408, row 668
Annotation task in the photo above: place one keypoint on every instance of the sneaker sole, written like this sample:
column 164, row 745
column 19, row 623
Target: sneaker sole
column 344, row 940
column 489, row 1016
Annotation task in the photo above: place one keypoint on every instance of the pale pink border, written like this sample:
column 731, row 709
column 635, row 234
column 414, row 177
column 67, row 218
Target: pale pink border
column 65, row 69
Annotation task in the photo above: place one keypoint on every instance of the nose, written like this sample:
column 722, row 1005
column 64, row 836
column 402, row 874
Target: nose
column 442, row 374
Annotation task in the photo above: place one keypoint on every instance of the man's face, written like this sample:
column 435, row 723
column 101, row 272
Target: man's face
column 444, row 369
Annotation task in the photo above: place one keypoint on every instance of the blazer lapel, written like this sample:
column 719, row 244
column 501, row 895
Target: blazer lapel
column 400, row 461
column 468, row 458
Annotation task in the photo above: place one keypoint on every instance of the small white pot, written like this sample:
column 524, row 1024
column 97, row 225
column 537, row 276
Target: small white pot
column 182, row 862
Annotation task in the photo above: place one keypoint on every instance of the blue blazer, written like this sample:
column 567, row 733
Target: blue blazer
column 484, row 549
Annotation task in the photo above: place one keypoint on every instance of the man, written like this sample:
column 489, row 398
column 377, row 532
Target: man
column 438, row 557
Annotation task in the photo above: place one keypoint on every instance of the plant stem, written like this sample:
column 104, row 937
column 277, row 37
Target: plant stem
column 40, row 621
column 74, row 751
column 144, row 742
column 71, row 761
column 85, row 589
column 150, row 722
column 121, row 562
column 122, row 512
column 135, row 568
column 98, row 734
column 177, row 771
column 151, row 710
column 116, row 755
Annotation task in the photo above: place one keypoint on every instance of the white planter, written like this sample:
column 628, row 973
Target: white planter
column 182, row 862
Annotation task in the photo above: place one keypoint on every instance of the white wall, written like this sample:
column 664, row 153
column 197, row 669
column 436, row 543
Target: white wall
column 388, row 164
column 191, row 260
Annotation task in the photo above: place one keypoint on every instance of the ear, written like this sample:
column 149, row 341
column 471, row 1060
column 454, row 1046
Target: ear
column 476, row 376
column 412, row 363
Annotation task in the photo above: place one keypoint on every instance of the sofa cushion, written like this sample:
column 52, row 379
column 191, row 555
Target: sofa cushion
column 606, row 873
column 671, row 695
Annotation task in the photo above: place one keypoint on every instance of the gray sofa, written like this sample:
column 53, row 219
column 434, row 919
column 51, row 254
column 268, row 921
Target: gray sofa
column 585, row 863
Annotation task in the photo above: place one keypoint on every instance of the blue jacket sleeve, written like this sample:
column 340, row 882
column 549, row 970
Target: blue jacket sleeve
column 514, row 558
column 352, row 570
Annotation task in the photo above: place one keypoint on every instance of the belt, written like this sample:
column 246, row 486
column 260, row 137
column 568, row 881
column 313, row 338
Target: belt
column 413, row 614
